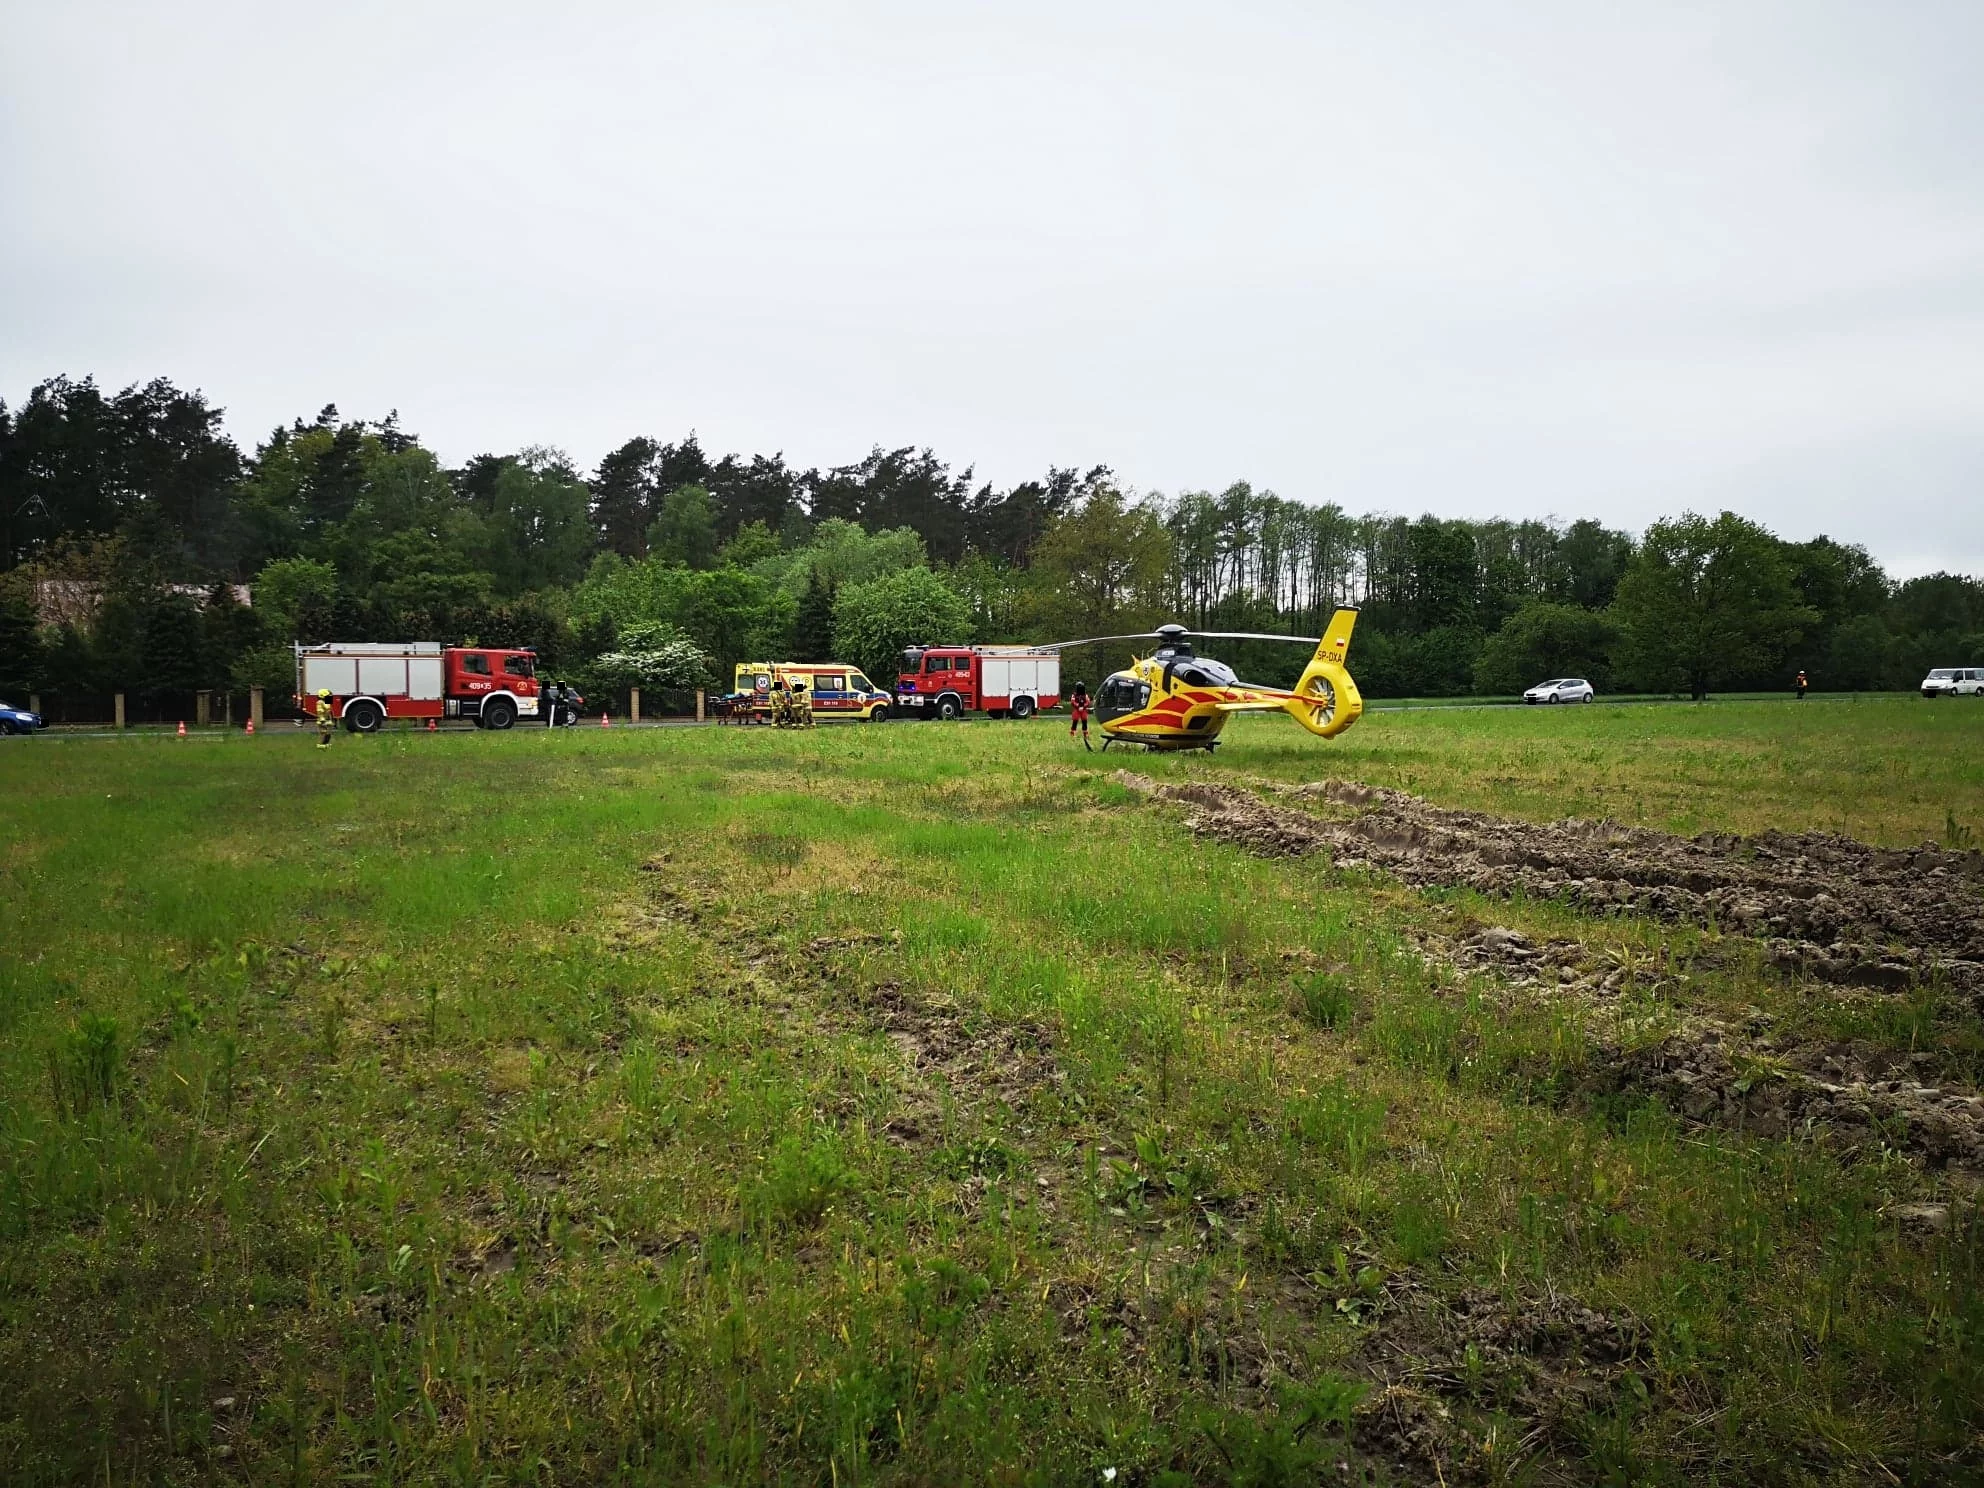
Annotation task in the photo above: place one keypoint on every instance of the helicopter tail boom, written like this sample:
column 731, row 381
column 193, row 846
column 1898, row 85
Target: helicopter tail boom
column 1326, row 701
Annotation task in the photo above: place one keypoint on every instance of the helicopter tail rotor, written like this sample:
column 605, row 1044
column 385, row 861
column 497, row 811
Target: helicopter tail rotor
column 1326, row 700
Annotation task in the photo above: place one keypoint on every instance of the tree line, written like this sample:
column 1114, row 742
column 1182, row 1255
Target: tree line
column 127, row 520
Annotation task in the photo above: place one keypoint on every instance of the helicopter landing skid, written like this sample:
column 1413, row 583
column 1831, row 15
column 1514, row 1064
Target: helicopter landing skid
column 1159, row 746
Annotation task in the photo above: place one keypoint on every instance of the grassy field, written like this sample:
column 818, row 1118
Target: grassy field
column 1891, row 771
column 916, row 1104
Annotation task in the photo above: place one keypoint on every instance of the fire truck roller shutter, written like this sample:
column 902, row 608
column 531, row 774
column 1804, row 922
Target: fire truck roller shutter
column 336, row 674
column 423, row 678
column 382, row 676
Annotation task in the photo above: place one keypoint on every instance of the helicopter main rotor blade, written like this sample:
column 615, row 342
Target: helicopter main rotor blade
column 1141, row 635
column 1250, row 635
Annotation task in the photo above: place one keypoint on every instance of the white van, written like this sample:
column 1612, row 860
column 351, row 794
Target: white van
column 1953, row 682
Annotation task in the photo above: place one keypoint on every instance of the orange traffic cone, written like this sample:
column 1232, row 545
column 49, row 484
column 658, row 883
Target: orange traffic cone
column 182, row 728
column 605, row 722
column 251, row 725
column 430, row 726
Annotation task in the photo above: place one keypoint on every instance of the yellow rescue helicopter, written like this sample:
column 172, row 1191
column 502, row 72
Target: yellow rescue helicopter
column 1178, row 699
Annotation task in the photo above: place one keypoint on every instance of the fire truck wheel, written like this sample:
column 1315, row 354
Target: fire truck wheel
column 949, row 707
column 499, row 713
column 365, row 717
column 1023, row 708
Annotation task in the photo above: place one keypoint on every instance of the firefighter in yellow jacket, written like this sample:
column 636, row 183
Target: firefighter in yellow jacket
column 324, row 720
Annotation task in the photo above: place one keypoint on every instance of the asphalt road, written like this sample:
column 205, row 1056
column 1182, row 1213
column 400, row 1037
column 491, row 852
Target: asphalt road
column 281, row 727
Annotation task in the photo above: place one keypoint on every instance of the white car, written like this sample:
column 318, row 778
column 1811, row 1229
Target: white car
column 1953, row 682
column 1560, row 690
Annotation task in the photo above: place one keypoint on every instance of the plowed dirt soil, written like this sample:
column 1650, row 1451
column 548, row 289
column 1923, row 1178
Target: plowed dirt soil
column 1837, row 909
column 1822, row 906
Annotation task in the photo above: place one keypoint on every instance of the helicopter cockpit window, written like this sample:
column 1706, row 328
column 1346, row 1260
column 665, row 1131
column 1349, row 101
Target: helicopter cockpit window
column 1121, row 695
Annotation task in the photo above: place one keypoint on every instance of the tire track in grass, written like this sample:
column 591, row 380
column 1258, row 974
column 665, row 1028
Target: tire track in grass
column 1447, row 1386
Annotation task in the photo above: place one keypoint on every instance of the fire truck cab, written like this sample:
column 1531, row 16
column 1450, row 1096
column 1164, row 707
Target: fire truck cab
column 371, row 681
column 1004, row 681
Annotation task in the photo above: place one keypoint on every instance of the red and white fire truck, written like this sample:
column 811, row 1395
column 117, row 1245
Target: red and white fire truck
column 371, row 681
column 1004, row 681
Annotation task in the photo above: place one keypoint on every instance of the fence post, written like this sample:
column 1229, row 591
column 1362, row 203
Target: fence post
column 120, row 710
column 699, row 705
column 227, row 707
column 34, row 702
column 634, row 706
column 203, row 707
column 255, row 707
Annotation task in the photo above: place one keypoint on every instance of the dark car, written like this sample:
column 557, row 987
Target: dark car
column 18, row 720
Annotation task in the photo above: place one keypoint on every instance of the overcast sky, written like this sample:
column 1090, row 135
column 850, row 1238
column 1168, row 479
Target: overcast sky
column 1519, row 258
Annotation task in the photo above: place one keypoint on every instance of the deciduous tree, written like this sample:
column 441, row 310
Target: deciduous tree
column 1706, row 602
column 875, row 620
column 1543, row 640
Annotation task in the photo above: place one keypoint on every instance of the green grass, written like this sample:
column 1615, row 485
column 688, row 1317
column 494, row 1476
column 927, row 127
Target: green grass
column 902, row 1104
column 1892, row 771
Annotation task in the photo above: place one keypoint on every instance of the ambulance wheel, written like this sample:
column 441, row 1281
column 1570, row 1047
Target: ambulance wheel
column 1022, row 708
column 948, row 707
column 365, row 717
column 877, row 714
column 499, row 713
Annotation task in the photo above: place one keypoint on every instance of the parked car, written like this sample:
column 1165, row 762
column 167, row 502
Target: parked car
column 1560, row 690
column 18, row 720
column 1953, row 682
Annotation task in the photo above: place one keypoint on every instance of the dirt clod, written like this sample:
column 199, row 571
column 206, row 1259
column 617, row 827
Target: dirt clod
column 1727, row 1073
column 1445, row 1366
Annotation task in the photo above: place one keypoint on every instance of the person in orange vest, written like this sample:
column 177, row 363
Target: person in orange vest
column 324, row 720
column 1802, row 684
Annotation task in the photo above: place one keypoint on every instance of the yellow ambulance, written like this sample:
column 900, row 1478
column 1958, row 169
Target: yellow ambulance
column 834, row 690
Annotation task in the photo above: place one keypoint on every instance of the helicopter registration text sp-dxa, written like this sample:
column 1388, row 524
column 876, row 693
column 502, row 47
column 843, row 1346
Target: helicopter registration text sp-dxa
column 1003, row 681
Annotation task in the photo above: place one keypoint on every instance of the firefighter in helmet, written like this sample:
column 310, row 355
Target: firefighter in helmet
column 324, row 718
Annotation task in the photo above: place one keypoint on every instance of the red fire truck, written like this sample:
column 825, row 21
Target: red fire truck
column 1004, row 681
column 371, row 681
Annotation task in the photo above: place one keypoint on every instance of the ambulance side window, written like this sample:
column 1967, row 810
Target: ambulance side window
column 860, row 683
column 477, row 665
